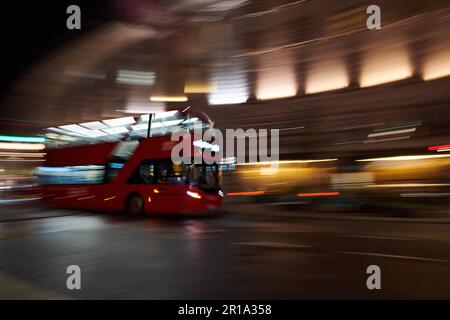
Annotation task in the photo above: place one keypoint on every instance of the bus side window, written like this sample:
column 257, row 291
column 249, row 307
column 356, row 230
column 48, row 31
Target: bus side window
column 147, row 172
column 113, row 169
column 170, row 173
column 144, row 174
column 163, row 171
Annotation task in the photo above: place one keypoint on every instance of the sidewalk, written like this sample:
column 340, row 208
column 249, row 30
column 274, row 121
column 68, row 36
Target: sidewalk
column 276, row 210
column 29, row 211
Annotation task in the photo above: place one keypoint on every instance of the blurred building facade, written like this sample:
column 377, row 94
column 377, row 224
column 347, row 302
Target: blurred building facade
column 309, row 68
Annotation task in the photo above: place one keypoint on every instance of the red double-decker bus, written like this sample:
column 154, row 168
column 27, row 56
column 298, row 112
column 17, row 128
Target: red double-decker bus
column 132, row 176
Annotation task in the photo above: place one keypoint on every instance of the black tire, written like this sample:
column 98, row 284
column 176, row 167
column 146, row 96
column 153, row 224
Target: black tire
column 135, row 206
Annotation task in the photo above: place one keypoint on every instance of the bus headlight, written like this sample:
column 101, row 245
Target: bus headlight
column 194, row 194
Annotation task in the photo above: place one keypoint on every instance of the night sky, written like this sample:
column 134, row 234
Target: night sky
column 31, row 29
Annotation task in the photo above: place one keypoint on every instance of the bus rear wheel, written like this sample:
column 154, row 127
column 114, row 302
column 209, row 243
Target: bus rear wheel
column 135, row 206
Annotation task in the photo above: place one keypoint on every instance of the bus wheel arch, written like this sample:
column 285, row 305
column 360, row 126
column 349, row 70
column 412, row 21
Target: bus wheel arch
column 134, row 204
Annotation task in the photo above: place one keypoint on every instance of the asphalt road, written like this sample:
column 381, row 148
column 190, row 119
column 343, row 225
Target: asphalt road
column 254, row 254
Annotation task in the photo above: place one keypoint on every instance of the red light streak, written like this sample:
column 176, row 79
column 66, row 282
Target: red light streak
column 245, row 193
column 319, row 194
column 435, row 148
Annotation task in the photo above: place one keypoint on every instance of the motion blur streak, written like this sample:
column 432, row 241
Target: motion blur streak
column 406, row 158
column 21, row 139
column 284, row 162
column 168, row 99
column 245, row 193
column 437, row 148
column 409, row 185
column 22, row 154
column 21, row 146
column 319, row 194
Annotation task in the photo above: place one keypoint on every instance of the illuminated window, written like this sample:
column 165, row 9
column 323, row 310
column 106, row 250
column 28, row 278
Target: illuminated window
column 91, row 174
column 325, row 76
column 437, row 65
column 385, row 65
column 276, row 77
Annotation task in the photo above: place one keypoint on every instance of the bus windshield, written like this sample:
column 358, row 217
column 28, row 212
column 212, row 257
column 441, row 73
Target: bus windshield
column 205, row 176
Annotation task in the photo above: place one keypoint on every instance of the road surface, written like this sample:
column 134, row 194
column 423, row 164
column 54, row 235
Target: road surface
column 254, row 254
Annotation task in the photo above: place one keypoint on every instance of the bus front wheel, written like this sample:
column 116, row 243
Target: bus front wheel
column 135, row 205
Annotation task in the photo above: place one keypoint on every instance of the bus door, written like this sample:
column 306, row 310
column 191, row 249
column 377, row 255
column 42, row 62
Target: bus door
column 162, row 184
column 171, row 184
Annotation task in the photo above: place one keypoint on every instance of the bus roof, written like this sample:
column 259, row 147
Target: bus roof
column 130, row 127
column 80, row 155
column 100, row 153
